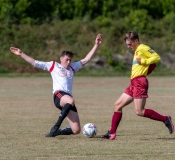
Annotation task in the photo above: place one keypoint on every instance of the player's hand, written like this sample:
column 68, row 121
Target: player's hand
column 98, row 40
column 138, row 60
column 16, row 51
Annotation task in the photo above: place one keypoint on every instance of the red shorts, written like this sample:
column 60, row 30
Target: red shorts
column 138, row 87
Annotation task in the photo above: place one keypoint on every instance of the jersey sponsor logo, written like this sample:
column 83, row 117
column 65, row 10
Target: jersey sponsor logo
column 65, row 73
column 151, row 51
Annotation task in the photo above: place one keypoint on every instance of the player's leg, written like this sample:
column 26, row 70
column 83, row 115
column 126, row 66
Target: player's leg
column 140, row 93
column 74, row 123
column 65, row 103
column 122, row 101
column 139, row 105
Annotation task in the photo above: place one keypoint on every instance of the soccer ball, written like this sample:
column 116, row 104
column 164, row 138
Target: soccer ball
column 89, row 130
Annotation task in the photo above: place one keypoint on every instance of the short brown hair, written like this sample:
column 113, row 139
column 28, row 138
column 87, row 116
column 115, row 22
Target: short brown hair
column 67, row 53
column 132, row 35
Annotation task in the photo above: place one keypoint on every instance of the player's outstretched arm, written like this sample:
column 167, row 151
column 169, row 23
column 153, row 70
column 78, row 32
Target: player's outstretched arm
column 18, row 52
column 88, row 57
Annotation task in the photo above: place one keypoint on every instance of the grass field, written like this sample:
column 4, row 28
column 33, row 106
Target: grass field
column 27, row 113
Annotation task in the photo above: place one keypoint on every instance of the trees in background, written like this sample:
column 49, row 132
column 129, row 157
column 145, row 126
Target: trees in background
column 40, row 11
column 44, row 28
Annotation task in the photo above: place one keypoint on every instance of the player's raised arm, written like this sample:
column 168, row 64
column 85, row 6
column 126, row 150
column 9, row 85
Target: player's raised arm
column 18, row 52
column 88, row 57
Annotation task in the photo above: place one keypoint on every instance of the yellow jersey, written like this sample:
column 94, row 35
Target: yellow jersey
column 148, row 56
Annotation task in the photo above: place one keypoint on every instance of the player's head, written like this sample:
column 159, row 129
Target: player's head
column 132, row 40
column 67, row 53
column 66, row 58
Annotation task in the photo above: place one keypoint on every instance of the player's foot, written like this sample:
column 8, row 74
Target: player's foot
column 53, row 133
column 109, row 136
column 169, row 124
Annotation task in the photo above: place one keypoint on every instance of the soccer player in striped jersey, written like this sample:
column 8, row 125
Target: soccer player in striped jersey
column 144, row 62
column 62, row 75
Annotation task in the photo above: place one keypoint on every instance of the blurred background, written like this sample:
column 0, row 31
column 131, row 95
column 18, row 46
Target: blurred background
column 44, row 28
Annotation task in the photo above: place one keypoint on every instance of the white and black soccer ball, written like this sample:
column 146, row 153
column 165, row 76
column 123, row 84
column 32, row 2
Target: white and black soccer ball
column 89, row 130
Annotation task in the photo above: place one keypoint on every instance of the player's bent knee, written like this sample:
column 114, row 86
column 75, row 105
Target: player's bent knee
column 117, row 107
column 76, row 131
column 71, row 101
column 139, row 113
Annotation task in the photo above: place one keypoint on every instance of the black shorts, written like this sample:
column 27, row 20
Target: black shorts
column 57, row 96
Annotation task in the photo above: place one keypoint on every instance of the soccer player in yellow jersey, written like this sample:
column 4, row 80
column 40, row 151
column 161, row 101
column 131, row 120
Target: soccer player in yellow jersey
column 144, row 62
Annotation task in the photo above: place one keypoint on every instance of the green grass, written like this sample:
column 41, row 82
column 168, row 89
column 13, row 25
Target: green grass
column 27, row 112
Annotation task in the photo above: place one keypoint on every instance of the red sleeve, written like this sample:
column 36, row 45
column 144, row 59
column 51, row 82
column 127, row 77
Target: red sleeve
column 151, row 68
